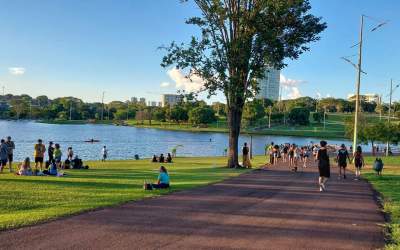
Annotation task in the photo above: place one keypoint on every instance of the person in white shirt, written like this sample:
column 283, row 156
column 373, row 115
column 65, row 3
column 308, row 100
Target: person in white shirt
column 104, row 153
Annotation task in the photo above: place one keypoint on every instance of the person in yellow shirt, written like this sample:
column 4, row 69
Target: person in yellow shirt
column 40, row 149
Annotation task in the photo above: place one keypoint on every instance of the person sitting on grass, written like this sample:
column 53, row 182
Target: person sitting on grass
column 162, row 180
column 25, row 168
column 169, row 158
column 52, row 170
column 154, row 159
column 161, row 159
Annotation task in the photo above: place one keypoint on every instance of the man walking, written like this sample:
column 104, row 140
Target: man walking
column 3, row 154
column 10, row 149
column 342, row 157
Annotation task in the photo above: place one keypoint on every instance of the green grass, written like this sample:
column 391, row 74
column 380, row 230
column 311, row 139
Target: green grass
column 389, row 186
column 30, row 200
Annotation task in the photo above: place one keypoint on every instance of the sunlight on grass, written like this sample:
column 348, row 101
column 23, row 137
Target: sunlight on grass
column 389, row 186
column 29, row 200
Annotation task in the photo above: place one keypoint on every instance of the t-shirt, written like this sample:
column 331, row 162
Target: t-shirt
column 11, row 147
column 50, row 151
column 342, row 156
column 57, row 153
column 245, row 150
column 3, row 151
column 163, row 178
column 39, row 150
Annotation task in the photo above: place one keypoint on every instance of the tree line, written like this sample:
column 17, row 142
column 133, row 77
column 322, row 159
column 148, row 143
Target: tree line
column 257, row 111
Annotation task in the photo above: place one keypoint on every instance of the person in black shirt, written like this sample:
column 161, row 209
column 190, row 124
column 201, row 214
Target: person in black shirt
column 323, row 166
column 246, row 157
column 342, row 157
column 50, row 152
column 161, row 159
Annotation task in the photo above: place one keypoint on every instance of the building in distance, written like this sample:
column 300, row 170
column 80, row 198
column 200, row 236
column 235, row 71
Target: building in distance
column 170, row 99
column 370, row 98
column 269, row 85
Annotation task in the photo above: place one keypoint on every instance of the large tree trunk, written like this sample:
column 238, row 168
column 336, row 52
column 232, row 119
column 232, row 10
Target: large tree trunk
column 234, row 121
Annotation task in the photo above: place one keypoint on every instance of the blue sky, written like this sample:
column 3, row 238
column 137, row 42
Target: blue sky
column 81, row 48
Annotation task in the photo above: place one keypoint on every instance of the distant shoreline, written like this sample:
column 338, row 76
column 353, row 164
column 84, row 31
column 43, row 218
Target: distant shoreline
column 276, row 132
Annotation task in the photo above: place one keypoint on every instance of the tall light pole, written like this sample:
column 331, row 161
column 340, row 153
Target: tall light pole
column 390, row 108
column 359, row 71
column 269, row 116
column 358, row 82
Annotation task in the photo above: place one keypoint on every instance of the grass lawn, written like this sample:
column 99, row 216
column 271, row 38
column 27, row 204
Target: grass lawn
column 389, row 186
column 29, row 200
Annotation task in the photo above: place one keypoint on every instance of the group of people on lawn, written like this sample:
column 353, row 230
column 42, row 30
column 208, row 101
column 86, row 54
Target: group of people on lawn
column 54, row 163
column 42, row 167
column 162, row 158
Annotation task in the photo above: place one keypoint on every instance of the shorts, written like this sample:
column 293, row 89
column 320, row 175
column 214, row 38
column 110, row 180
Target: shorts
column 10, row 157
column 358, row 166
column 38, row 159
column 57, row 159
column 3, row 162
column 342, row 164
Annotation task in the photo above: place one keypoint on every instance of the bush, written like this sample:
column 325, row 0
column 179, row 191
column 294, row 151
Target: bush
column 202, row 115
column 299, row 116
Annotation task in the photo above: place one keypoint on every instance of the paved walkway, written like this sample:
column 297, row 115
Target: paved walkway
column 264, row 209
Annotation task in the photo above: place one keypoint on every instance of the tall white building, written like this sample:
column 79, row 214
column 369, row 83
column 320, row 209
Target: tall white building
column 269, row 85
column 171, row 99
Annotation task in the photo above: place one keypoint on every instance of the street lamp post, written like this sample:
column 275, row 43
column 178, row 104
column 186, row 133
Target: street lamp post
column 269, row 116
column 358, row 82
column 390, row 109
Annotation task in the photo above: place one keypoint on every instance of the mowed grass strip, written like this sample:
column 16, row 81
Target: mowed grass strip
column 389, row 186
column 32, row 199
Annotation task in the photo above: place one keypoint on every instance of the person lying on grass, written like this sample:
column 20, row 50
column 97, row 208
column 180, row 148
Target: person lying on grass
column 25, row 168
column 162, row 180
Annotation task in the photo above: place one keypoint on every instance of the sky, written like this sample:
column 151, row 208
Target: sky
column 82, row 48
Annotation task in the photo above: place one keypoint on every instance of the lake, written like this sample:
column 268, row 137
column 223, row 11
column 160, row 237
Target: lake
column 125, row 142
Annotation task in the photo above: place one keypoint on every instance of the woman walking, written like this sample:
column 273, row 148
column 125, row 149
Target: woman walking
column 323, row 166
column 358, row 162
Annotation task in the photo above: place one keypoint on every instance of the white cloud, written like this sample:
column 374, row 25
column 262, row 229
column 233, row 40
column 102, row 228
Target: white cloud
column 165, row 84
column 183, row 82
column 287, row 82
column 291, row 87
column 17, row 71
column 294, row 93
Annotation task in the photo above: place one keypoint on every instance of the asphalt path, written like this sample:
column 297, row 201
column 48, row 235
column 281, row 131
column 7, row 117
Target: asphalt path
column 263, row 209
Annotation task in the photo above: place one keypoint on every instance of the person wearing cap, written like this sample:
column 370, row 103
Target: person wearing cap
column 342, row 157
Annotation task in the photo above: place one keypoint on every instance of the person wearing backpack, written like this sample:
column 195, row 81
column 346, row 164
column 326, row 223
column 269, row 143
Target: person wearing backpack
column 342, row 157
column 358, row 162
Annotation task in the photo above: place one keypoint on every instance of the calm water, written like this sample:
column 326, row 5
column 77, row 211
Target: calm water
column 125, row 142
